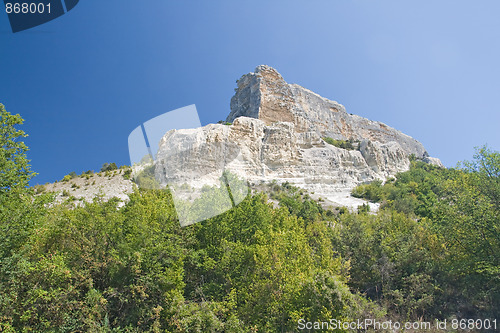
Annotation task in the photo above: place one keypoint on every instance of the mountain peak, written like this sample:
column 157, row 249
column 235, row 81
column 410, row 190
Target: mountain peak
column 265, row 95
column 265, row 69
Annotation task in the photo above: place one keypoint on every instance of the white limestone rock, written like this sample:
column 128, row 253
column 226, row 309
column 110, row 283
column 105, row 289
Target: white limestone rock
column 265, row 95
column 276, row 134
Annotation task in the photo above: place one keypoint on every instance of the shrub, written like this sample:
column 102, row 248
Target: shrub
column 146, row 178
column 40, row 188
column 342, row 210
column 69, row 176
column 108, row 167
column 364, row 208
column 87, row 173
column 344, row 144
column 127, row 173
column 372, row 191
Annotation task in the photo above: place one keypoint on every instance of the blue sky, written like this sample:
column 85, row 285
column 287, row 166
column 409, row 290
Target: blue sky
column 84, row 81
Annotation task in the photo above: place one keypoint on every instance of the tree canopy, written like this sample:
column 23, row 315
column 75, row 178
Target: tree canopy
column 15, row 170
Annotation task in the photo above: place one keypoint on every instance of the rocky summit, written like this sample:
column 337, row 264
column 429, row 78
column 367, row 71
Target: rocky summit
column 283, row 132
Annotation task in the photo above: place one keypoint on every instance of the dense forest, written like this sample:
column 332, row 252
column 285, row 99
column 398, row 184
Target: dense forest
column 432, row 251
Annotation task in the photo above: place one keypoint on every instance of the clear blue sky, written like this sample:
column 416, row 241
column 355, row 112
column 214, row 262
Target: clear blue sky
column 85, row 80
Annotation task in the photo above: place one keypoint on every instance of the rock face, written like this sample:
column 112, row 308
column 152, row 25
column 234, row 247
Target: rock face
column 266, row 96
column 277, row 133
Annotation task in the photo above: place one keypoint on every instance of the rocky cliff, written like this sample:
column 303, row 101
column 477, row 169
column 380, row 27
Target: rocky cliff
column 278, row 132
column 265, row 95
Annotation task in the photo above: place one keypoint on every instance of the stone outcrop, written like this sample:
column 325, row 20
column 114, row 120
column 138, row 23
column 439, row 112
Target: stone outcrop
column 265, row 95
column 277, row 133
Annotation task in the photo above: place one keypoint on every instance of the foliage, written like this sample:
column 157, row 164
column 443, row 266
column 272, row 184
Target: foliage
column 127, row 173
column 298, row 203
column 18, row 209
column 88, row 172
column 146, row 178
column 392, row 258
column 363, row 209
column 98, row 266
column 108, row 167
column 370, row 191
column 73, row 175
column 350, row 144
column 280, row 269
column 39, row 189
column 461, row 208
column 15, row 171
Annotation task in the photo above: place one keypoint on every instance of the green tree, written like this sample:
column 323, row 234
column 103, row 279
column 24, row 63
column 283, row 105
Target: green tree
column 18, row 210
column 460, row 208
column 468, row 220
column 15, row 171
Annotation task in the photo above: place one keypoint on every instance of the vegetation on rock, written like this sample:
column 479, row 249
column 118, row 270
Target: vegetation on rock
column 344, row 144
